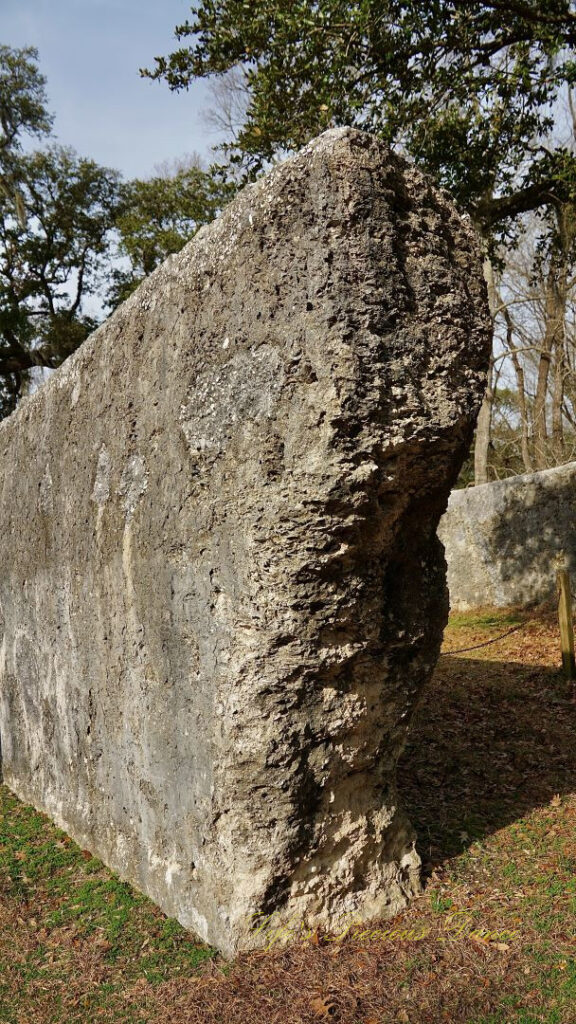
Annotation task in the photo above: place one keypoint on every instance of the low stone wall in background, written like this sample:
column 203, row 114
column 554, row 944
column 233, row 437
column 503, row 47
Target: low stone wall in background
column 503, row 539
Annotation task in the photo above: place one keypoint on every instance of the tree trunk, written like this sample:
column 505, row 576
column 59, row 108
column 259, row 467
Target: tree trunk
column 557, row 288
column 522, row 404
column 558, row 402
column 484, row 424
column 483, row 434
column 540, row 426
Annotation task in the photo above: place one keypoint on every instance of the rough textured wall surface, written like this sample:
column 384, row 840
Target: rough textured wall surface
column 502, row 539
column 221, row 588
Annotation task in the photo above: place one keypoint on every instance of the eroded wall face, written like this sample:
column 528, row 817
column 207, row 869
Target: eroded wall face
column 505, row 540
column 221, row 589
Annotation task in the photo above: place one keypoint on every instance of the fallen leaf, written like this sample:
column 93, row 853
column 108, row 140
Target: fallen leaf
column 556, row 800
column 323, row 1006
column 141, row 983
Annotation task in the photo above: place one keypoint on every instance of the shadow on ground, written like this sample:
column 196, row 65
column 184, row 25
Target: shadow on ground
column 490, row 742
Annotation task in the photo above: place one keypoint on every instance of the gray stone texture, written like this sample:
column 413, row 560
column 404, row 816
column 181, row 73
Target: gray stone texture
column 505, row 540
column 221, row 588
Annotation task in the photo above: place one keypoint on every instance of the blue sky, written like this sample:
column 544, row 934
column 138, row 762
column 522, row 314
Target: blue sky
column 90, row 52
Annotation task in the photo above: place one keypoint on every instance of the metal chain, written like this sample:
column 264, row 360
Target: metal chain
column 462, row 650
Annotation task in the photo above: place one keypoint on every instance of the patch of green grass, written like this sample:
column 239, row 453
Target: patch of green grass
column 64, row 891
column 488, row 620
column 130, row 926
column 439, row 903
column 521, row 1017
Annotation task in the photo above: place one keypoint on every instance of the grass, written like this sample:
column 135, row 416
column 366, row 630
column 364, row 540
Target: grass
column 72, row 934
column 489, row 781
column 490, row 619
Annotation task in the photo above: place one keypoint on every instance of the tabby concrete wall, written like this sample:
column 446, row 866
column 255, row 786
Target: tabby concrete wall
column 504, row 540
column 221, row 587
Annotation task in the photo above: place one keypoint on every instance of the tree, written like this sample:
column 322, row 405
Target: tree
column 552, row 347
column 230, row 101
column 536, row 307
column 465, row 90
column 22, row 110
column 468, row 88
column 57, row 214
column 158, row 216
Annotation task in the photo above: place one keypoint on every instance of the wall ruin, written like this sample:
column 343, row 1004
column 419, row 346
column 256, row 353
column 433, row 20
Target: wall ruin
column 221, row 589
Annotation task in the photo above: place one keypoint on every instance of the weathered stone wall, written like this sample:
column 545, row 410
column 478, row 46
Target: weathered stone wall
column 221, row 587
column 502, row 539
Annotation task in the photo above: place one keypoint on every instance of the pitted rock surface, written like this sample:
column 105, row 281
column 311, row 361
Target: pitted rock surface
column 221, row 588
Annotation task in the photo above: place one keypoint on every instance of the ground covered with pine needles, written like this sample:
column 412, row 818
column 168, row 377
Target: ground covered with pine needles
column 489, row 780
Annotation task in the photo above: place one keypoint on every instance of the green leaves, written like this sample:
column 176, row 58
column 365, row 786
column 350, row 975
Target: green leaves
column 22, row 97
column 64, row 223
column 158, row 216
column 57, row 214
column 466, row 88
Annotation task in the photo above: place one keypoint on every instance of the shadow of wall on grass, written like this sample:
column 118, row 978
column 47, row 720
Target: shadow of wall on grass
column 490, row 742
